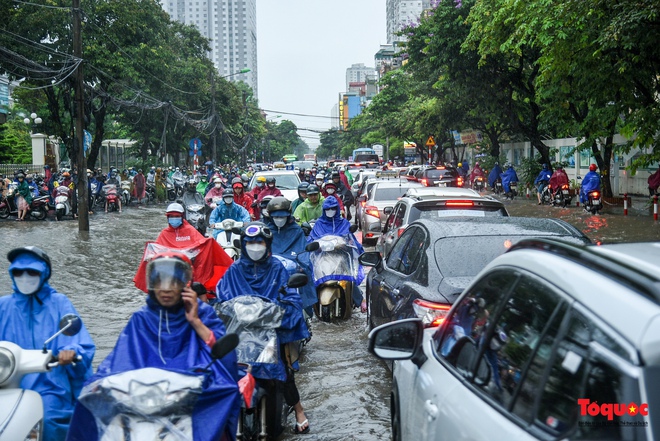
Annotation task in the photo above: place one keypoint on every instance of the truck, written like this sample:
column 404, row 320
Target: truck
column 366, row 156
column 309, row 157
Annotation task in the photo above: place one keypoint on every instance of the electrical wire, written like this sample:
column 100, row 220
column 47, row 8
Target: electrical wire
column 42, row 6
column 299, row 114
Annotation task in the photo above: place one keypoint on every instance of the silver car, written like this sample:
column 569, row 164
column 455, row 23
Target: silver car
column 371, row 215
column 550, row 341
column 286, row 181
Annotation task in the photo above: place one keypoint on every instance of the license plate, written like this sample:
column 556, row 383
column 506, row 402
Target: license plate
column 596, row 201
column 442, row 184
column 565, row 191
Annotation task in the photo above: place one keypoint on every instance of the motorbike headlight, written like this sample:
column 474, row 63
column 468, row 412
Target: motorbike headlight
column 7, row 365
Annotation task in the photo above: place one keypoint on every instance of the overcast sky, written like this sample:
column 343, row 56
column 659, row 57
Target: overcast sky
column 304, row 48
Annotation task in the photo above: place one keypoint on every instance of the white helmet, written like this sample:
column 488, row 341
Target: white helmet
column 174, row 208
column 217, row 181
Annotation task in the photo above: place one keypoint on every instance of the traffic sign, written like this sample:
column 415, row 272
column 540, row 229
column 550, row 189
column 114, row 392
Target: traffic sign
column 430, row 142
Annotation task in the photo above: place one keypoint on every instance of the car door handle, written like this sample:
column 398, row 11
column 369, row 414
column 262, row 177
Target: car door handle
column 431, row 410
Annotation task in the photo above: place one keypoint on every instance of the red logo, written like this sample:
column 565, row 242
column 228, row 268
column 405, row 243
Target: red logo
column 610, row 410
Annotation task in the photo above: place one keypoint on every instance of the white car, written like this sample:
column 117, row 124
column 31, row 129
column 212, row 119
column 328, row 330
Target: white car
column 286, row 180
column 550, row 341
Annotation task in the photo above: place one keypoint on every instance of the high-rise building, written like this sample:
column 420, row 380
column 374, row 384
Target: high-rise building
column 401, row 13
column 358, row 73
column 231, row 25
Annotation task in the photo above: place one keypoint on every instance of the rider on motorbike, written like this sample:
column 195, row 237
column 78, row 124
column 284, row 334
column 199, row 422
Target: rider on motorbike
column 329, row 190
column 590, row 183
column 494, row 175
column 215, row 192
column 242, row 198
column 174, row 331
column 203, row 185
column 228, row 210
column 558, row 178
column 476, row 171
column 508, row 177
column 258, row 273
column 302, row 196
column 312, row 208
column 28, row 317
column 542, row 180
column 270, row 189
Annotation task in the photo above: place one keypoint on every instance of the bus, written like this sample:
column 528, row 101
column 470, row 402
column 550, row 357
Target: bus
column 365, row 155
column 289, row 158
column 309, row 157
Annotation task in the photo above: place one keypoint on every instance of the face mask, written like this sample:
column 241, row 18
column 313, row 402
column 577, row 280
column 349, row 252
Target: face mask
column 331, row 190
column 280, row 221
column 175, row 222
column 228, row 201
column 27, row 284
column 330, row 213
column 319, row 183
column 89, row 175
column 218, row 185
column 255, row 251
column 271, row 185
column 260, row 184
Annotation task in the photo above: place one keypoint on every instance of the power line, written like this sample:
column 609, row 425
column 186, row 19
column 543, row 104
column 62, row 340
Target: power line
column 300, row 114
column 42, row 6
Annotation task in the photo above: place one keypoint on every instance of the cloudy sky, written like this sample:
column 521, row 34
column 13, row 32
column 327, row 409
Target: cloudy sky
column 304, row 48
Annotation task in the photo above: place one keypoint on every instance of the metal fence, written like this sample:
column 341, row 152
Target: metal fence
column 10, row 169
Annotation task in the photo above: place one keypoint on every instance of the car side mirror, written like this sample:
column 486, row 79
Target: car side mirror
column 398, row 340
column 388, row 210
column 362, row 198
column 370, row 258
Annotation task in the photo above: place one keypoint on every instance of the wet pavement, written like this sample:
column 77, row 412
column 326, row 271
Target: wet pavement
column 345, row 391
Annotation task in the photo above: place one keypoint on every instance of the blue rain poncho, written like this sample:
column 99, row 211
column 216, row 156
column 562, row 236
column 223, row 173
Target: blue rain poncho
column 335, row 226
column 494, row 175
column 163, row 338
column 28, row 321
column 508, row 177
column 590, row 182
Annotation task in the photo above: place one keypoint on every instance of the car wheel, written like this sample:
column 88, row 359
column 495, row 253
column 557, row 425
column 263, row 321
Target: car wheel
column 370, row 322
column 396, row 418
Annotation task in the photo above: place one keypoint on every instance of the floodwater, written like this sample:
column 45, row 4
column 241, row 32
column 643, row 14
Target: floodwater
column 344, row 390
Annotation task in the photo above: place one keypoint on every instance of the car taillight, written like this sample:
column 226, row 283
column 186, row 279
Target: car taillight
column 459, row 204
column 425, row 182
column 431, row 313
column 372, row 211
column 400, row 231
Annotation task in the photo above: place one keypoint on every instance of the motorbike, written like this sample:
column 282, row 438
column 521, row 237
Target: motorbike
column 125, row 192
column 38, row 208
column 22, row 412
column 151, row 191
column 336, row 274
column 513, row 190
column 197, row 215
column 479, row 183
column 594, row 202
column 230, row 237
column 149, row 403
column 256, row 321
column 562, row 196
column 171, row 191
column 546, row 194
column 62, row 204
column 179, row 185
column 498, row 189
column 111, row 198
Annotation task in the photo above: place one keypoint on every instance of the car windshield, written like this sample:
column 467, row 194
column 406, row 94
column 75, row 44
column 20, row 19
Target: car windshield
column 287, row 182
column 389, row 193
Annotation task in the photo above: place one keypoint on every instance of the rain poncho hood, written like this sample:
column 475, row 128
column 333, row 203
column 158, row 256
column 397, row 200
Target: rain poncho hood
column 246, row 277
column 224, row 211
column 508, row 177
column 590, row 182
column 335, row 226
column 163, row 338
column 28, row 321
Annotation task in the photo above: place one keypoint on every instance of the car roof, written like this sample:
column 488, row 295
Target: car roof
column 501, row 226
column 275, row 172
column 614, row 282
column 394, row 182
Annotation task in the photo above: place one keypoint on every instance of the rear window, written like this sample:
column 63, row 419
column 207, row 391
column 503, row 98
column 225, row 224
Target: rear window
column 436, row 174
column 434, row 212
column 389, row 193
column 453, row 262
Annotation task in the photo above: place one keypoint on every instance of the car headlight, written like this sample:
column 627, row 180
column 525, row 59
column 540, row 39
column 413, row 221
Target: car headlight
column 7, row 365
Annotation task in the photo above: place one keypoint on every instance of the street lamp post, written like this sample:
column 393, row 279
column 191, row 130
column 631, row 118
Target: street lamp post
column 33, row 118
column 214, row 116
column 242, row 71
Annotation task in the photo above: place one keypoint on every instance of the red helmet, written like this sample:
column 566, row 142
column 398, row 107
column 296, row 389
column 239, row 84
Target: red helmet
column 169, row 270
column 593, row 167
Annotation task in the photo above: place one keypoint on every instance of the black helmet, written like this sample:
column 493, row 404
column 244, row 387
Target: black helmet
column 303, row 186
column 335, row 174
column 312, row 189
column 270, row 180
column 236, row 180
column 265, row 201
column 279, row 204
column 36, row 252
column 228, row 192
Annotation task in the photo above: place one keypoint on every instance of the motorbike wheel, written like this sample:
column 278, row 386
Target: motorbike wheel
column 38, row 213
column 325, row 313
column 276, row 414
column 171, row 195
column 58, row 214
column 4, row 212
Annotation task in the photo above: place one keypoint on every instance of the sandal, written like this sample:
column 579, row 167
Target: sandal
column 297, row 428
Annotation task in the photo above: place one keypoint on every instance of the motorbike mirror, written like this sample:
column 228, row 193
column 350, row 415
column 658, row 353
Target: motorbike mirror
column 236, row 230
column 237, row 243
column 224, row 346
column 353, row 228
column 70, row 325
column 297, row 280
column 312, row 246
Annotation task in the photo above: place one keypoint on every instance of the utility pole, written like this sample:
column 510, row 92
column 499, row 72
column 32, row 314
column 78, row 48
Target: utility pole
column 83, row 212
column 214, row 119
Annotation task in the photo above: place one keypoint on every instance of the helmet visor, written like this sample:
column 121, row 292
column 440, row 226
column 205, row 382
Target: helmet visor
column 168, row 274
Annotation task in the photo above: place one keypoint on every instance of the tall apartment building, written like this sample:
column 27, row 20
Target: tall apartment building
column 231, row 25
column 401, row 13
column 358, row 73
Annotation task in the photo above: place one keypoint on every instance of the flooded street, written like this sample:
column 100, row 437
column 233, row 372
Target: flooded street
column 344, row 390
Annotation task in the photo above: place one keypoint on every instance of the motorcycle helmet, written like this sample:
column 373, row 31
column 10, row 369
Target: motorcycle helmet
column 254, row 232
column 236, row 182
column 228, row 196
column 499, row 339
column 245, row 179
column 23, row 258
column 330, row 187
column 335, row 174
column 261, row 180
column 302, row 188
column 20, row 176
column 174, row 209
column 270, row 180
column 545, row 166
column 279, row 206
column 593, row 167
column 312, row 189
column 460, row 164
column 169, row 271
column 192, row 184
